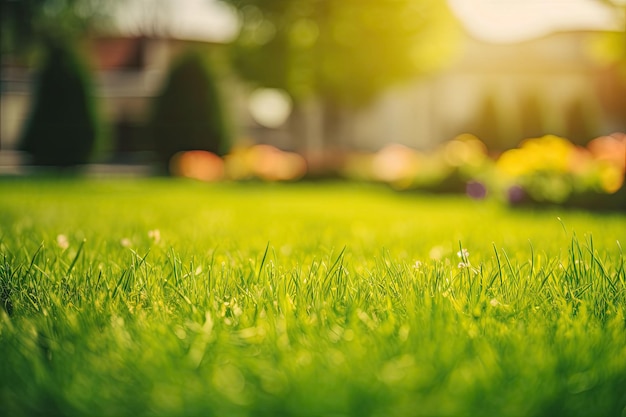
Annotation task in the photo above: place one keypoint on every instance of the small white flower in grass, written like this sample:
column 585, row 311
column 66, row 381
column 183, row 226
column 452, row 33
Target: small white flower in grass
column 463, row 265
column 496, row 303
column 155, row 235
column 125, row 242
column 463, row 253
column 63, row 242
column 417, row 265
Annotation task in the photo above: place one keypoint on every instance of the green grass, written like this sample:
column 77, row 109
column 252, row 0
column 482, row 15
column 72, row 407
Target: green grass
column 304, row 300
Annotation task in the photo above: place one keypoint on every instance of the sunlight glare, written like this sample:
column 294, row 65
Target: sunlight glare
column 270, row 107
column 508, row 21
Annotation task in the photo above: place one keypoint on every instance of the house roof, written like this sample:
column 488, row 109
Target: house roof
column 197, row 20
column 118, row 52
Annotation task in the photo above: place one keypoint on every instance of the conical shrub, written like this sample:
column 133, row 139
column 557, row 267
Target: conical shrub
column 581, row 122
column 487, row 124
column 62, row 127
column 532, row 117
column 188, row 114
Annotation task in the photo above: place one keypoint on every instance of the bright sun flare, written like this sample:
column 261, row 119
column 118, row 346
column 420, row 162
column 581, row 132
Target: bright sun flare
column 505, row 21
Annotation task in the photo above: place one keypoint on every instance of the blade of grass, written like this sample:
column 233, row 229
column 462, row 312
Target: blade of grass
column 78, row 252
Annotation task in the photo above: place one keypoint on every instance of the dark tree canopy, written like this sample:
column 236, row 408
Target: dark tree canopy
column 344, row 51
column 24, row 23
column 62, row 127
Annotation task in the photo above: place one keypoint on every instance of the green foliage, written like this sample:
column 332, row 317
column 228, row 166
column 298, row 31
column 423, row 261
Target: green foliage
column 62, row 128
column 25, row 23
column 581, row 121
column 345, row 52
column 189, row 113
column 359, row 305
column 532, row 118
column 499, row 130
column 488, row 125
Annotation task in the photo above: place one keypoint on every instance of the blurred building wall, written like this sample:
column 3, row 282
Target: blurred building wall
column 127, row 73
column 553, row 70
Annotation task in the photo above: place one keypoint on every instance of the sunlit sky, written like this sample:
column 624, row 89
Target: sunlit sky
column 498, row 21
column 503, row 21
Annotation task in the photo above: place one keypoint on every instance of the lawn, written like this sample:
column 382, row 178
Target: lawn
column 160, row 297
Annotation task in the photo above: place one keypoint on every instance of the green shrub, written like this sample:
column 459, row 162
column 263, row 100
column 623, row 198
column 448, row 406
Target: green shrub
column 581, row 122
column 488, row 124
column 62, row 128
column 188, row 114
column 532, row 116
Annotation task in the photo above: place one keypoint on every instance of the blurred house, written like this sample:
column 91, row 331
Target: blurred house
column 501, row 93
column 128, row 72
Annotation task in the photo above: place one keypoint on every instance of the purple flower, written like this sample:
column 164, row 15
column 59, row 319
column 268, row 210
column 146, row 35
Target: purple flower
column 516, row 194
column 476, row 190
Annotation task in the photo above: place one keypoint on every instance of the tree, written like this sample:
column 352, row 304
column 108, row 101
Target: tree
column 189, row 114
column 62, row 127
column 488, row 125
column 581, row 123
column 342, row 52
column 532, row 119
column 26, row 23
column 29, row 27
column 609, row 50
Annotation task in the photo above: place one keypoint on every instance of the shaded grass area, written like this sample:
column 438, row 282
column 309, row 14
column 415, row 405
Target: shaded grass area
column 160, row 297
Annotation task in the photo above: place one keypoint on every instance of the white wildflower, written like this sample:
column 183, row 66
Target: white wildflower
column 63, row 242
column 155, row 235
column 463, row 265
column 463, row 253
column 417, row 265
column 495, row 303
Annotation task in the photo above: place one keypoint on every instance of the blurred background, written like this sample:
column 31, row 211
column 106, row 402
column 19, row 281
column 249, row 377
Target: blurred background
column 415, row 93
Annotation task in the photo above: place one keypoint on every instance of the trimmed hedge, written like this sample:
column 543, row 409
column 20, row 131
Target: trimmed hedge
column 188, row 114
column 62, row 127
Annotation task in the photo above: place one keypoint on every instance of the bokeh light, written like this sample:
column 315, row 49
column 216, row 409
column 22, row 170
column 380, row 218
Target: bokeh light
column 270, row 107
column 264, row 162
column 199, row 165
